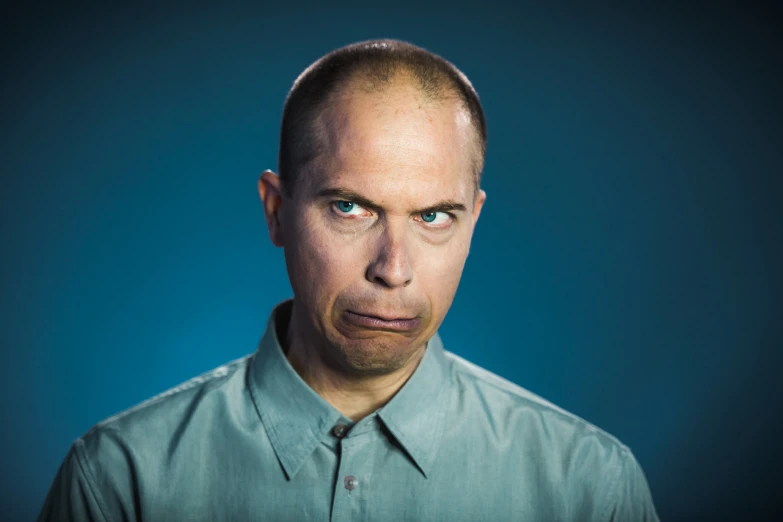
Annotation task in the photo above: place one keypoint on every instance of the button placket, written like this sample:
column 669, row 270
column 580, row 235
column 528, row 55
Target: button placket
column 351, row 468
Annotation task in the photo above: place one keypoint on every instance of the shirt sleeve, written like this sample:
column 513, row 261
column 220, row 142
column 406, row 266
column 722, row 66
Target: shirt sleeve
column 630, row 499
column 73, row 495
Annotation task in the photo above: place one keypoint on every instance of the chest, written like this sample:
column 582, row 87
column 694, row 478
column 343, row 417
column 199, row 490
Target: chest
column 366, row 479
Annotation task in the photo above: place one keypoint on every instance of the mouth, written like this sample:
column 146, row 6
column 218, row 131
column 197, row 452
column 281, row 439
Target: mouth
column 374, row 322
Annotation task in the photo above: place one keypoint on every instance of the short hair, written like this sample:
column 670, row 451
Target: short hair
column 376, row 63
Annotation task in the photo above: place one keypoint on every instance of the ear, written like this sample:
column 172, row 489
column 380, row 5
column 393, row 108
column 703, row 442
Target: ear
column 271, row 191
column 481, row 197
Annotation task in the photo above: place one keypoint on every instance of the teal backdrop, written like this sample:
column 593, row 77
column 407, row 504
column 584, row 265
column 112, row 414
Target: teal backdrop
column 627, row 264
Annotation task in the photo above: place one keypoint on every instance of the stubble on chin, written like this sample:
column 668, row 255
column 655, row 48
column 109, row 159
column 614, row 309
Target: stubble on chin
column 373, row 355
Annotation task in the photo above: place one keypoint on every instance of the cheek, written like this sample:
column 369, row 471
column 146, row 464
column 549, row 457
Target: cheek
column 323, row 264
column 439, row 273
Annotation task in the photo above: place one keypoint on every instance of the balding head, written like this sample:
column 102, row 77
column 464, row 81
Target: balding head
column 375, row 206
column 375, row 67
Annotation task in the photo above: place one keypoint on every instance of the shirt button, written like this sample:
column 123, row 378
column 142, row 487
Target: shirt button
column 351, row 483
column 340, row 430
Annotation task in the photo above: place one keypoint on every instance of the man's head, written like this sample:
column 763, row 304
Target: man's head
column 370, row 67
column 381, row 151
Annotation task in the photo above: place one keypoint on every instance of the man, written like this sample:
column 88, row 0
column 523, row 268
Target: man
column 351, row 409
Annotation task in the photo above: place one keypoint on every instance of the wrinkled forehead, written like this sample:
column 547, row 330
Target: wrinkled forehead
column 375, row 141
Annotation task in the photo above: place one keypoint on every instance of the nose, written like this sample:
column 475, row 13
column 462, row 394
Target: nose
column 391, row 265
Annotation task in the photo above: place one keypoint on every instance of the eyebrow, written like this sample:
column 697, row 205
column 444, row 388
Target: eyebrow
column 349, row 195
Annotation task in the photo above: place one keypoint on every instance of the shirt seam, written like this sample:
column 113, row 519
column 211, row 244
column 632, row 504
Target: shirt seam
column 546, row 407
column 611, row 496
column 89, row 476
column 221, row 372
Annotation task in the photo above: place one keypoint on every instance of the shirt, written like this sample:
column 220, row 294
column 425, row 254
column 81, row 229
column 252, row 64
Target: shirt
column 250, row 440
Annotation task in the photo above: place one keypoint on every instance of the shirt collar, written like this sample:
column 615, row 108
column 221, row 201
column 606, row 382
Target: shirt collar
column 296, row 418
column 416, row 414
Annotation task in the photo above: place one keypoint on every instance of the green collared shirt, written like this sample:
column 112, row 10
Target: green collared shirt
column 251, row 441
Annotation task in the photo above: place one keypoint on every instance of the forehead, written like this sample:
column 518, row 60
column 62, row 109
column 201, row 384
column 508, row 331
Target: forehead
column 396, row 145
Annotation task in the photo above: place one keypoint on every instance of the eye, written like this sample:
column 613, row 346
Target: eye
column 348, row 208
column 435, row 218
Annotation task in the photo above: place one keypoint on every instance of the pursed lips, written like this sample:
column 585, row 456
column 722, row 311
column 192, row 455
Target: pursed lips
column 381, row 321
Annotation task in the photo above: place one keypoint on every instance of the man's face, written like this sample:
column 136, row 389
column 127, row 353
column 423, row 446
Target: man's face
column 376, row 234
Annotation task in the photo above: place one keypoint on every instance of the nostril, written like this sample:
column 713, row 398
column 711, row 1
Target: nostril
column 382, row 281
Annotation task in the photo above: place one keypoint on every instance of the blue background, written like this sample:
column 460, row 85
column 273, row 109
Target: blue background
column 627, row 264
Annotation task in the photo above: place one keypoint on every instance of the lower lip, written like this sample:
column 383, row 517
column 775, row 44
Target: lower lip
column 397, row 325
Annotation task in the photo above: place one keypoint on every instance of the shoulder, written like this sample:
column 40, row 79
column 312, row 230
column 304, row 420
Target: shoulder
column 151, row 428
column 134, row 450
column 531, row 423
column 589, row 466
column 212, row 385
column 503, row 398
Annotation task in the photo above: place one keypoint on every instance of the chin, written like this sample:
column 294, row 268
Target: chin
column 375, row 354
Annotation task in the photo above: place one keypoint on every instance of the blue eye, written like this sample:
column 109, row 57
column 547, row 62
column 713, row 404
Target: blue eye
column 428, row 217
column 436, row 220
column 345, row 206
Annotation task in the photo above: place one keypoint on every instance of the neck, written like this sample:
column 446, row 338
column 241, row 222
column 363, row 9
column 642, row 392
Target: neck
column 353, row 395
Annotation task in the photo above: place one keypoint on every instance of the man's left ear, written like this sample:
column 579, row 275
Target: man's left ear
column 481, row 197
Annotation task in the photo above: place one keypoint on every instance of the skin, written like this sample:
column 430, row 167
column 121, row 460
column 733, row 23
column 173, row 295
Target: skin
column 351, row 261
